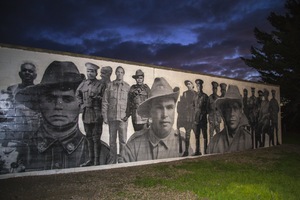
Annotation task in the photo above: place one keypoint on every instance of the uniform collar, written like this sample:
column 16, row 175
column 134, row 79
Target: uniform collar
column 167, row 141
column 118, row 82
column 69, row 143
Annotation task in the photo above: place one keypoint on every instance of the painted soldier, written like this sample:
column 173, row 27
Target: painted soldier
column 89, row 95
column 234, row 136
column 214, row 116
column 114, row 104
column 138, row 93
column 58, row 143
column 223, row 89
column 160, row 140
column 263, row 124
column 253, row 113
column 200, row 104
column 274, row 110
column 185, row 112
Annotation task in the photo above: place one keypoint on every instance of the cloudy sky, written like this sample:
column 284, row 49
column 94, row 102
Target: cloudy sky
column 207, row 36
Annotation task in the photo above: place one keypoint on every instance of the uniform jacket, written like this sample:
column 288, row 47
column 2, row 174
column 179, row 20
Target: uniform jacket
column 89, row 95
column 200, row 104
column 46, row 152
column 214, row 115
column 274, row 110
column 137, row 94
column 144, row 145
column 114, row 101
column 222, row 142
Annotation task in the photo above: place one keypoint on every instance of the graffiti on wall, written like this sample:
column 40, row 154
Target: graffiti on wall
column 68, row 112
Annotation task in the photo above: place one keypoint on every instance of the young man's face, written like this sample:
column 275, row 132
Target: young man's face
column 162, row 114
column 91, row 74
column 59, row 108
column 245, row 93
column 199, row 87
column 120, row 74
column 27, row 73
column 233, row 115
column 189, row 85
column 105, row 74
column 139, row 80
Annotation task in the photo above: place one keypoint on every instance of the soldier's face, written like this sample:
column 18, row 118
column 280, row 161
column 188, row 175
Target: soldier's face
column 91, row 74
column 120, row 74
column 245, row 93
column 233, row 115
column 162, row 114
column 189, row 85
column 105, row 74
column 27, row 73
column 199, row 87
column 59, row 108
column 139, row 80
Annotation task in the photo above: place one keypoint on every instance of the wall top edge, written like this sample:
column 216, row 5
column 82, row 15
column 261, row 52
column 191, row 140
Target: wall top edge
column 40, row 50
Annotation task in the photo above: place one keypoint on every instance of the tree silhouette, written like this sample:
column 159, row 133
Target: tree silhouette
column 277, row 59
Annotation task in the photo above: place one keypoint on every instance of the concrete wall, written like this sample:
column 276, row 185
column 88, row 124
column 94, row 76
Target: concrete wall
column 27, row 147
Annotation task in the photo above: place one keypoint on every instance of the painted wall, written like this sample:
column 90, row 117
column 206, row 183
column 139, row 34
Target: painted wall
column 33, row 138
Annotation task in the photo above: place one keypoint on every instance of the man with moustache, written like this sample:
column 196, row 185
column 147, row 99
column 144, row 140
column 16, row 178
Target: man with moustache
column 160, row 140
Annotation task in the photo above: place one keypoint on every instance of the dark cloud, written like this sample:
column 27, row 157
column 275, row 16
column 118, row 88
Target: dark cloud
column 196, row 35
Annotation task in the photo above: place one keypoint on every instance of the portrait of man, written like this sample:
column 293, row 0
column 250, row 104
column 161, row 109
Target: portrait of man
column 253, row 113
column 263, row 122
column 274, row 110
column 223, row 87
column 138, row 93
column 234, row 136
column 58, row 143
column 200, row 105
column 114, row 106
column 185, row 112
column 160, row 140
column 27, row 74
column 89, row 95
column 214, row 116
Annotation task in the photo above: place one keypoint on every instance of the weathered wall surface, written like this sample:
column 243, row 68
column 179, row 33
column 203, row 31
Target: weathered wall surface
column 42, row 125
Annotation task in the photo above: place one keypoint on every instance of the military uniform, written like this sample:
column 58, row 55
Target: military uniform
column 214, row 116
column 274, row 110
column 46, row 152
column 145, row 145
column 137, row 94
column 200, row 104
column 89, row 95
column 225, row 143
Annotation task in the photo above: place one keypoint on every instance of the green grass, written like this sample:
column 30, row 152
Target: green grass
column 267, row 175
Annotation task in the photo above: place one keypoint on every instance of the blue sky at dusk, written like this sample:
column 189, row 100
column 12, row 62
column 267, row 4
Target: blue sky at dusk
column 207, row 36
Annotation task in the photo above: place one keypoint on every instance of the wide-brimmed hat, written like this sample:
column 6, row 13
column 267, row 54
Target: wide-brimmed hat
column 232, row 94
column 160, row 88
column 57, row 73
column 138, row 73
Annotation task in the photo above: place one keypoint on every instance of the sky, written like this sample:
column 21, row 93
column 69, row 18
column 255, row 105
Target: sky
column 206, row 36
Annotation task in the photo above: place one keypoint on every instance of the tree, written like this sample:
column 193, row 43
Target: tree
column 277, row 59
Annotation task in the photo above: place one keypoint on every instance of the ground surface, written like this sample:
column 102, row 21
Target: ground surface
column 118, row 183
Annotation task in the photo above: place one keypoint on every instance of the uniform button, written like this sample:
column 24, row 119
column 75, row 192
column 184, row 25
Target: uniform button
column 70, row 147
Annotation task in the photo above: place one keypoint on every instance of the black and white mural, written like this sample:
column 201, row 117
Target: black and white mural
column 61, row 111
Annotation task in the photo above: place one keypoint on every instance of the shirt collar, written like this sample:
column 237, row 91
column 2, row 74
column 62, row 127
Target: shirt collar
column 167, row 141
column 69, row 143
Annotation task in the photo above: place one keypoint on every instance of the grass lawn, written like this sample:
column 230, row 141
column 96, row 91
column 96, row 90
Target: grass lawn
column 265, row 173
column 257, row 174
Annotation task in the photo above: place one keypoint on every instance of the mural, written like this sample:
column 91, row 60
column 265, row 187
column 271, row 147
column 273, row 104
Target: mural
column 65, row 111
